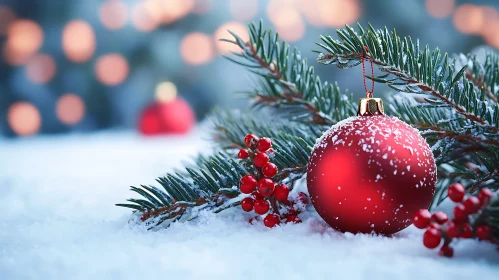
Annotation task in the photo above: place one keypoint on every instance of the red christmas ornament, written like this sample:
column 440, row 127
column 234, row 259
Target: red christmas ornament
column 172, row 117
column 371, row 173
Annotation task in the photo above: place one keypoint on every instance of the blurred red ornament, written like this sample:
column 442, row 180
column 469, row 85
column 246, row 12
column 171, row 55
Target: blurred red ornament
column 168, row 115
column 371, row 173
column 173, row 117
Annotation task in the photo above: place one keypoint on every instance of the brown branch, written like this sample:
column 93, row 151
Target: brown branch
column 290, row 98
column 483, row 179
column 445, row 133
column 480, row 83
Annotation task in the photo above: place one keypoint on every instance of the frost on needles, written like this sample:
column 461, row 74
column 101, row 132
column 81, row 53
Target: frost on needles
column 453, row 103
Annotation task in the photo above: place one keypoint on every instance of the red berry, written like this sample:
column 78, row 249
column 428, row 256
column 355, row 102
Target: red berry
column 303, row 198
column 484, row 196
column 269, row 170
column 261, row 159
column 271, row 151
column 243, row 154
column 261, row 206
column 456, row 192
column 293, row 219
column 431, row 238
column 466, row 231
column 251, row 141
column 271, row 220
column 247, row 204
column 247, row 184
column 256, row 196
column 440, row 217
column 265, row 186
column 264, row 144
column 422, row 218
column 446, row 251
column 483, row 232
column 460, row 213
column 281, row 192
column 453, row 230
column 471, row 204
column 291, row 212
column 434, row 225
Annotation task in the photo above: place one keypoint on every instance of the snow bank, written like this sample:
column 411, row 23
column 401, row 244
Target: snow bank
column 58, row 221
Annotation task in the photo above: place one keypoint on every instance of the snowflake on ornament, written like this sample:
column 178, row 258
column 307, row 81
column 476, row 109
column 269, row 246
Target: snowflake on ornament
column 264, row 193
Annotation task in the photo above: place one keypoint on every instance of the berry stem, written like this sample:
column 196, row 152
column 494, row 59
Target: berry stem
column 273, row 203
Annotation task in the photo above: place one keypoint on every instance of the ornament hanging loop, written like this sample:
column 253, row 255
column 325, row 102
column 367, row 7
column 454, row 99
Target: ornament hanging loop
column 369, row 106
column 369, row 93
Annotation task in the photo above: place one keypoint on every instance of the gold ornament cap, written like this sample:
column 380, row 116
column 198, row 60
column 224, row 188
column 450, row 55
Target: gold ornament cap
column 370, row 107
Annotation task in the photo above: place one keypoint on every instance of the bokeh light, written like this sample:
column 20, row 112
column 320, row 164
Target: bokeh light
column 468, row 19
column 6, row 17
column 287, row 20
column 111, row 69
column 41, row 68
column 440, row 8
column 222, row 32
column 146, row 15
column 78, row 41
column 24, row 38
column 70, row 109
column 243, row 10
column 24, row 119
column 202, row 7
column 196, row 48
column 166, row 92
column 172, row 10
column 337, row 13
column 113, row 14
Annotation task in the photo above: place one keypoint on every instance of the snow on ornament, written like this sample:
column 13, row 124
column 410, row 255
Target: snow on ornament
column 168, row 114
column 371, row 173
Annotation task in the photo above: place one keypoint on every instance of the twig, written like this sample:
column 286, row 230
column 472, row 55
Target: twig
column 480, row 83
column 273, row 68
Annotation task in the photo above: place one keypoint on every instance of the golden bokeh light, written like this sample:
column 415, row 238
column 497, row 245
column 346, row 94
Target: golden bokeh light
column 166, row 92
column 468, row 19
column 172, row 10
column 243, row 10
column 222, row 32
column 24, row 38
column 288, row 22
column 310, row 11
column 337, row 13
column 41, row 68
column 113, row 14
column 24, row 119
column 6, row 17
column 202, row 7
column 440, row 8
column 146, row 15
column 196, row 48
column 491, row 34
column 70, row 109
column 111, row 69
column 78, row 41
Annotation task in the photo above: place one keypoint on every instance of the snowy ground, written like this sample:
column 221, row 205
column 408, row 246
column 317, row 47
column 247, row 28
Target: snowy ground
column 58, row 221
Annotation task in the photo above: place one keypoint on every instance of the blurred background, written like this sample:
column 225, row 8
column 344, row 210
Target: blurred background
column 85, row 65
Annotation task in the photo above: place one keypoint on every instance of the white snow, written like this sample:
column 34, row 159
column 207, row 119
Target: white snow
column 58, row 221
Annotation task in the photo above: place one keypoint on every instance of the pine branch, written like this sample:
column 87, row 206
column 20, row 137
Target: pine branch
column 410, row 69
column 287, row 83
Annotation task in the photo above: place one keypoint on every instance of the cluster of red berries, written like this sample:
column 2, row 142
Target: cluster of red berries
column 439, row 227
column 265, row 194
